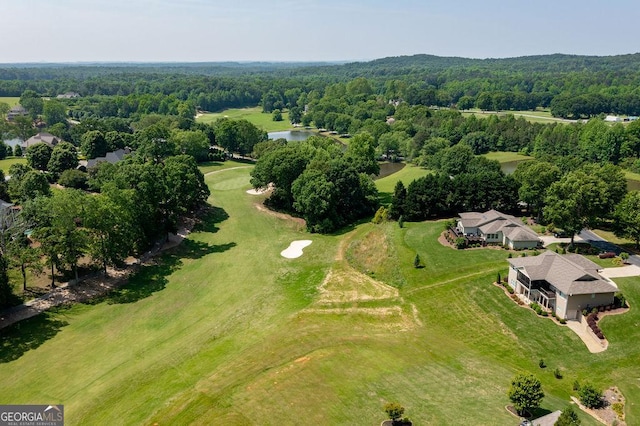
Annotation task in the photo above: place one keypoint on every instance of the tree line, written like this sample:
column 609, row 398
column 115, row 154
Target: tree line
column 133, row 204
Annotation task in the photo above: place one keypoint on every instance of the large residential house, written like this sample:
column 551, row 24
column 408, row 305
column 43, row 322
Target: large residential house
column 494, row 227
column 42, row 137
column 16, row 111
column 111, row 157
column 564, row 284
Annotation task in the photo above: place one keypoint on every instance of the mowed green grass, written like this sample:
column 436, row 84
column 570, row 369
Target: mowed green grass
column 8, row 162
column 253, row 115
column 221, row 332
column 407, row 174
column 11, row 100
column 507, row 157
column 538, row 116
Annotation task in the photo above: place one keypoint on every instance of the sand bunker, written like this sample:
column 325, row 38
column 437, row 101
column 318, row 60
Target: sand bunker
column 295, row 249
column 260, row 191
column 257, row 192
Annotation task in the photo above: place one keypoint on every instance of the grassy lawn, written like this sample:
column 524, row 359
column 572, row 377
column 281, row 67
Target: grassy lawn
column 253, row 115
column 9, row 161
column 214, row 166
column 538, row 116
column 11, row 100
column 225, row 330
column 407, row 174
column 507, row 157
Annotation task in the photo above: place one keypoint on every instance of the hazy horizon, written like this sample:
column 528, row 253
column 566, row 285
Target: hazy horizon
column 151, row 31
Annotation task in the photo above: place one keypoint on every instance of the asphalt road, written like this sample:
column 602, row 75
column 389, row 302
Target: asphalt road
column 605, row 245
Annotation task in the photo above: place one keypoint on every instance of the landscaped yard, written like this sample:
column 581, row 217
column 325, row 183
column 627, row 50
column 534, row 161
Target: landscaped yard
column 253, row 115
column 226, row 330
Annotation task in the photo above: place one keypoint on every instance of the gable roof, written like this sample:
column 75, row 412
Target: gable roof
column 571, row 274
column 42, row 137
column 493, row 221
column 111, row 157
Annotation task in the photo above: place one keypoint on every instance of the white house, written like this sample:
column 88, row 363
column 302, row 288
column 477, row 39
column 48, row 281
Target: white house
column 494, row 227
column 564, row 284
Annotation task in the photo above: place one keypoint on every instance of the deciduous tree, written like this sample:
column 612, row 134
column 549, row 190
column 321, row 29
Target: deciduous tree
column 627, row 217
column 525, row 393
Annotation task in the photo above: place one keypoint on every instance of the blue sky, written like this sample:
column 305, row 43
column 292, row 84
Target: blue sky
column 310, row 30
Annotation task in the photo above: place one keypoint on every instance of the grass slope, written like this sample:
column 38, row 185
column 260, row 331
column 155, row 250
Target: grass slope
column 253, row 115
column 8, row 162
column 225, row 330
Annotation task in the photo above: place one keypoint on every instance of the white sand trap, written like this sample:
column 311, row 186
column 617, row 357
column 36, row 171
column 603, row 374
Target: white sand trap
column 260, row 191
column 295, row 249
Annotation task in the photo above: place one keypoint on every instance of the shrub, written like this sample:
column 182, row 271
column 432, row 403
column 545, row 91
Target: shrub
column 537, row 308
column 394, row 410
column 510, row 256
column 562, row 321
column 618, row 408
column 568, row 418
column 401, row 224
column 589, row 396
column 524, row 254
column 73, row 178
column 624, row 256
column 541, row 363
column 557, row 373
column 382, row 215
column 461, row 243
column 619, row 301
column 499, row 278
column 544, row 313
column 416, row 261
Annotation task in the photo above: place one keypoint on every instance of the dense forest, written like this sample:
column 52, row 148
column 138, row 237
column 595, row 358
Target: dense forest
column 573, row 86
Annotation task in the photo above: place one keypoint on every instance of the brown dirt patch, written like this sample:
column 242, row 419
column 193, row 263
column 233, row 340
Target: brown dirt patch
column 284, row 216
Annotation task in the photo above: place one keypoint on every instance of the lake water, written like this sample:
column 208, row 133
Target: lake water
column 292, row 135
column 12, row 142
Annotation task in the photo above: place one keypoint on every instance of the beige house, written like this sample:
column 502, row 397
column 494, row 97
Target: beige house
column 494, row 227
column 564, row 284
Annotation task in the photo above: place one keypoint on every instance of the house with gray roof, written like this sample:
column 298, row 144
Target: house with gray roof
column 494, row 227
column 111, row 157
column 16, row 111
column 564, row 284
column 42, row 137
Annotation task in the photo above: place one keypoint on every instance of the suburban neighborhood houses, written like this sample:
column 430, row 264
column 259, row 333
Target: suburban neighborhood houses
column 564, row 284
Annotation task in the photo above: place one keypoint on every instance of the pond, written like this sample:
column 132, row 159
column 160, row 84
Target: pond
column 12, row 142
column 292, row 135
column 508, row 167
